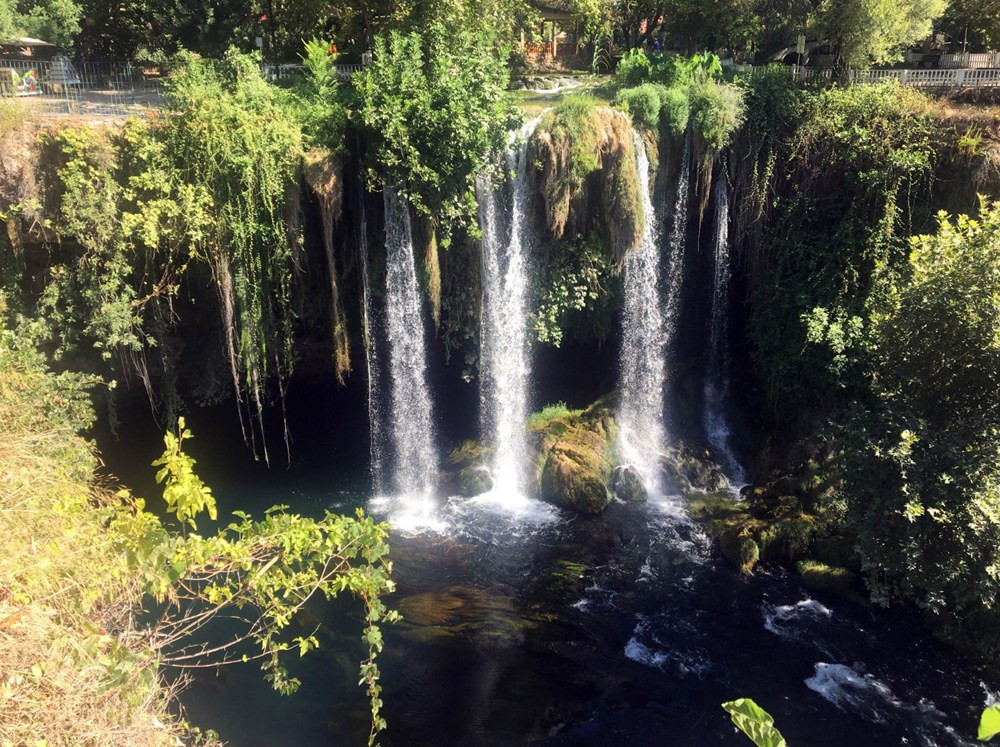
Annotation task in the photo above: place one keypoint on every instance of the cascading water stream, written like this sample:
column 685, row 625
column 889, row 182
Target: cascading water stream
column 675, row 260
column 505, row 358
column 372, row 359
column 641, row 432
column 412, row 428
column 717, row 378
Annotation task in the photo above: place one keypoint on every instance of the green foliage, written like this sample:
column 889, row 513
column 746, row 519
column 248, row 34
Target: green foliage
column 137, row 225
column 637, row 67
column 634, row 68
column 835, row 238
column 642, row 103
column 923, row 476
column 675, row 110
column 575, row 121
column 437, row 112
column 973, row 22
column 989, row 723
column 236, row 135
column 322, row 114
column 549, row 413
column 578, row 291
column 755, row 722
column 874, row 31
column 717, row 111
column 55, row 21
column 79, row 560
column 186, row 495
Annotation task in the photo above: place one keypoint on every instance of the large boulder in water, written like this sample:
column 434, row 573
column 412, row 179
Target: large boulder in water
column 574, row 455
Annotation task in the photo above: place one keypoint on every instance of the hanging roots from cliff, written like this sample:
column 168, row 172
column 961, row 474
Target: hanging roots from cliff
column 586, row 165
column 321, row 171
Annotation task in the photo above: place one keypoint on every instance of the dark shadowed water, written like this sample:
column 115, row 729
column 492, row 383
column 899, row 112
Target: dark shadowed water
column 551, row 628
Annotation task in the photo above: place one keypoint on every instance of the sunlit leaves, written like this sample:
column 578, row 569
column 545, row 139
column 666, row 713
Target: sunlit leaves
column 755, row 722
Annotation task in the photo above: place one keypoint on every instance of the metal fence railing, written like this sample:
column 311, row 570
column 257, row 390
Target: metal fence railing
column 923, row 78
column 61, row 87
column 284, row 72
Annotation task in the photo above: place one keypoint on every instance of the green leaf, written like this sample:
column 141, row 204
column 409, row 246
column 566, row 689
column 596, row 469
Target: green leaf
column 989, row 724
column 755, row 722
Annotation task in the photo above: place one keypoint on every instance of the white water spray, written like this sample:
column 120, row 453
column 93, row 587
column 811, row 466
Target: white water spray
column 675, row 260
column 641, row 433
column 412, row 428
column 505, row 364
column 717, row 378
column 372, row 358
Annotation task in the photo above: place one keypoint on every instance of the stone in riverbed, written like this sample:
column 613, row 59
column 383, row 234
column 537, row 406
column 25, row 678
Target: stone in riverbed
column 627, row 485
column 574, row 455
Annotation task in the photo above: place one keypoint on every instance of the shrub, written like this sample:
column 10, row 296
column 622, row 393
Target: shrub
column 675, row 110
column 642, row 103
column 923, row 472
column 717, row 110
column 633, row 69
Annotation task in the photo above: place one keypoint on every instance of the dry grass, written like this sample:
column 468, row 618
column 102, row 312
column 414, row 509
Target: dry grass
column 67, row 598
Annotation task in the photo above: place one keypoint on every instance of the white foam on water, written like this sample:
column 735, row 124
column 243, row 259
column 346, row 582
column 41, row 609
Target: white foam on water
column 779, row 620
column 850, row 690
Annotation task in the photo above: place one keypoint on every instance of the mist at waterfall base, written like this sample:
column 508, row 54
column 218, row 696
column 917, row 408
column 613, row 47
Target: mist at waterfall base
column 549, row 627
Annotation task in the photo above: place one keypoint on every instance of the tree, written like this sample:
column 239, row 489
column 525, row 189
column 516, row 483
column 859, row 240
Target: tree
column 56, row 21
column 437, row 111
column 867, row 32
column 972, row 25
column 923, row 465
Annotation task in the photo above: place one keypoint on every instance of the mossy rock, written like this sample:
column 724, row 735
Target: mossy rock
column 468, row 469
column 694, row 469
column 567, row 577
column 470, row 453
column 740, row 549
column 574, row 454
column 823, row 578
column 573, row 478
column 837, row 550
column 626, row 484
column 472, row 481
column 787, row 537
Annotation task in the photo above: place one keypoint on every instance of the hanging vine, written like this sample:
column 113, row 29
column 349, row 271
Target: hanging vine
column 236, row 134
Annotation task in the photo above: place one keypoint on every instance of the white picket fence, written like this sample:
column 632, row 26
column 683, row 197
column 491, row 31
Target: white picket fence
column 939, row 78
column 936, row 78
column 972, row 60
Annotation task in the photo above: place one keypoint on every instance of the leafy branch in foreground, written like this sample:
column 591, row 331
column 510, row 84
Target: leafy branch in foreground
column 258, row 573
column 755, row 722
column 989, row 723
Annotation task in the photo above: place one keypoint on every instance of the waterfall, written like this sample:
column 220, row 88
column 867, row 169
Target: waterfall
column 717, row 377
column 412, row 433
column 675, row 260
column 372, row 360
column 505, row 350
column 641, row 432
